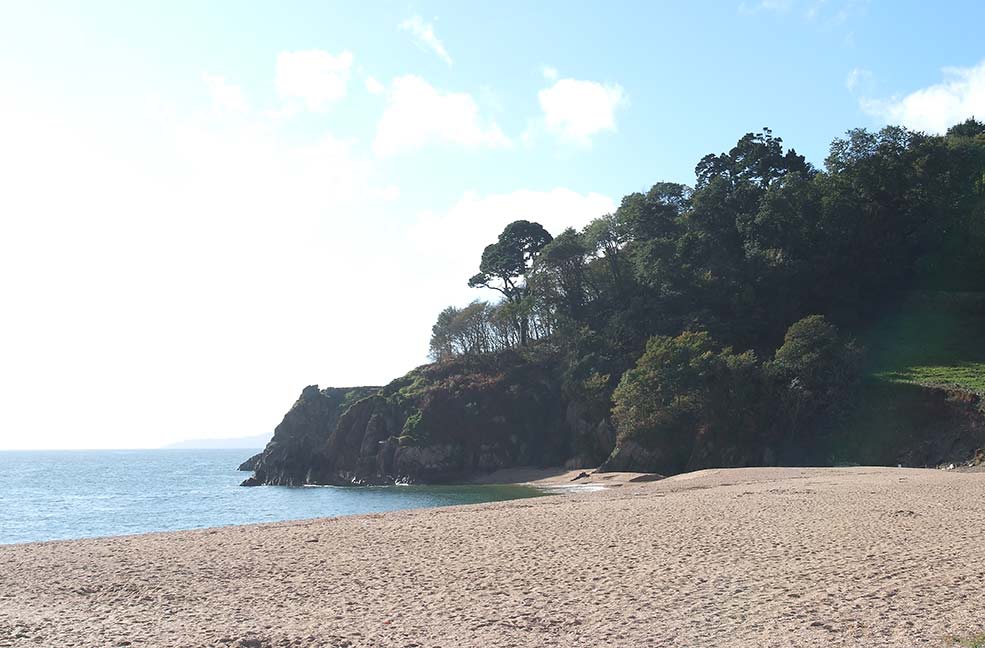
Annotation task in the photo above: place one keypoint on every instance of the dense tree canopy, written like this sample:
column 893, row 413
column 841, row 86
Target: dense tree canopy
column 765, row 253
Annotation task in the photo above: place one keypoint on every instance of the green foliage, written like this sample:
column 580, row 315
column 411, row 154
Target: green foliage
column 934, row 339
column 682, row 387
column 505, row 264
column 761, row 243
column 413, row 431
column 814, row 376
column 462, row 331
column 509, row 259
column 558, row 278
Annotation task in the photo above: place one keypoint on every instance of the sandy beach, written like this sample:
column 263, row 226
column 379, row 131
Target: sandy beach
column 747, row 557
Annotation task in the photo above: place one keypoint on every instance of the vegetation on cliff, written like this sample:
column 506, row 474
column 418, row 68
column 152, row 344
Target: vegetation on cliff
column 756, row 317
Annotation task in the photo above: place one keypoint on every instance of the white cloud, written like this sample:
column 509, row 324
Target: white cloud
column 549, row 73
column 225, row 97
column 313, row 77
column 417, row 115
column 424, row 35
column 454, row 238
column 373, row 86
column 575, row 110
column 935, row 108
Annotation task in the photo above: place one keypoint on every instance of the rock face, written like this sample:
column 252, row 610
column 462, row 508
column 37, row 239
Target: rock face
column 449, row 421
column 440, row 423
column 298, row 453
column 250, row 464
column 943, row 426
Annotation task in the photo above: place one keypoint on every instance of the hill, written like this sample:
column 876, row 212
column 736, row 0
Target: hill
column 754, row 318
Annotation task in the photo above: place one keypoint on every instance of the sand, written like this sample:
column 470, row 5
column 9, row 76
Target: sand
column 750, row 557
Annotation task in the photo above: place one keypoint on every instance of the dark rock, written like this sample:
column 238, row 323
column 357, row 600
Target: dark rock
column 444, row 422
column 251, row 481
column 250, row 464
column 649, row 477
column 630, row 456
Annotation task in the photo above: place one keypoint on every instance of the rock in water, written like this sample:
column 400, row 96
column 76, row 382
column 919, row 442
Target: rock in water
column 442, row 422
column 250, row 464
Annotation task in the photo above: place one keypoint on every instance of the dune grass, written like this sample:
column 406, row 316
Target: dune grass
column 978, row 641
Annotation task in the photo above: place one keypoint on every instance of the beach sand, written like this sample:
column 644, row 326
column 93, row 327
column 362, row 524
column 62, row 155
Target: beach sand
column 748, row 557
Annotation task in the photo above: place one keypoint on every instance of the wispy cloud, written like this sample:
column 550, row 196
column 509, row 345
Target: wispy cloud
column 856, row 78
column 424, row 35
column 778, row 6
column 827, row 11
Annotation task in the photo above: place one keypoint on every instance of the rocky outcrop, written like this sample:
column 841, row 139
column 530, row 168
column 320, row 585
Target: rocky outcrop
column 630, row 456
column 299, row 451
column 450, row 421
column 441, row 423
column 937, row 426
column 250, row 464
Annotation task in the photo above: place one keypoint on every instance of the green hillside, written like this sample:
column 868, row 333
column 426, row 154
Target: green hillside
column 929, row 340
column 932, row 339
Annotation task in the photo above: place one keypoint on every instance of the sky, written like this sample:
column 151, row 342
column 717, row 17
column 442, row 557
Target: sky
column 206, row 206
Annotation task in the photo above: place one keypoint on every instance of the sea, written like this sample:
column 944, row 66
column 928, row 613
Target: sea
column 62, row 495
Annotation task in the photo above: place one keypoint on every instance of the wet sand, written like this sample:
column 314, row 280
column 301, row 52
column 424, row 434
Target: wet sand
column 749, row 557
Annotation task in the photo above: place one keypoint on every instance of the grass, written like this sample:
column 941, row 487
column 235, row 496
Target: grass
column 935, row 339
column 930, row 339
column 978, row 641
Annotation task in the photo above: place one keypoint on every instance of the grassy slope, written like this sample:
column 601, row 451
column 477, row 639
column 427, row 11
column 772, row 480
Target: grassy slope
column 935, row 339
column 929, row 340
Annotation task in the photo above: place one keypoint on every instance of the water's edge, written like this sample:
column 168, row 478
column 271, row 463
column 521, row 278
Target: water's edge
column 71, row 495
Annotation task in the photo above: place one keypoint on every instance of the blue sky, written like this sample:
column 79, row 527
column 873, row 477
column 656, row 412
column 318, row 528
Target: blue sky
column 210, row 205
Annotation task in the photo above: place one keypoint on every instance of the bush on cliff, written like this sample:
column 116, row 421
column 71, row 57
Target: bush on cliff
column 814, row 377
column 685, row 391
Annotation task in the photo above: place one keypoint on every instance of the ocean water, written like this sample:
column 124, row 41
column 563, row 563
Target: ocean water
column 59, row 495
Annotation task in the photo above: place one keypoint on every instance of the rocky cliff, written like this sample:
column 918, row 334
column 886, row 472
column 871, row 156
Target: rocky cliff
column 450, row 421
column 440, row 423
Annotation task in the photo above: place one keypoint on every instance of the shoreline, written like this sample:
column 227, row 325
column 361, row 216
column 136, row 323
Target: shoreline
column 546, row 481
column 738, row 557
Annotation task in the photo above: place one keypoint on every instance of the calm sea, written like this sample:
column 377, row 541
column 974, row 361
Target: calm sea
column 67, row 494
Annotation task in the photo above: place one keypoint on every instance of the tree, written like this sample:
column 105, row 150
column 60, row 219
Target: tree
column 559, row 273
column 683, row 388
column 505, row 263
column 461, row 331
column 757, row 159
column 607, row 235
column 814, row 375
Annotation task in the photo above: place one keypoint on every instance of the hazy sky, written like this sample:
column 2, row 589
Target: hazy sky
column 206, row 206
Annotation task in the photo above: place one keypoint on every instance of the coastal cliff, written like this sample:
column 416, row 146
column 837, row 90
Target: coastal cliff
column 455, row 420
column 440, row 423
